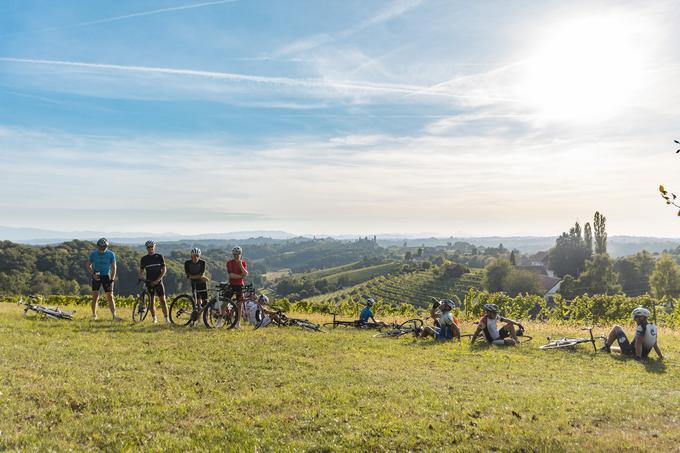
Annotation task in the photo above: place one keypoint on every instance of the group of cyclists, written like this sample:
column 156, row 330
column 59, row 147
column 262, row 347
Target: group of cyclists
column 495, row 329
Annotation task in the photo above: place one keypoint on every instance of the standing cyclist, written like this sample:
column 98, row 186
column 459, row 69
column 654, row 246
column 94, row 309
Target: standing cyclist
column 153, row 265
column 195, row 270
column 237, row 269
column 102, row 267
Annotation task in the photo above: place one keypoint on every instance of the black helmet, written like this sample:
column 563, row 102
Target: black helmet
column 103, row 242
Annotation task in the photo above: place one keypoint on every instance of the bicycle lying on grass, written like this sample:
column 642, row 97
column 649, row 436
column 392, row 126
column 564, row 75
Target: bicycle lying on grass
column 52, row 313
column 571, row 342
column 414, row 326
column 521, row 337
column 358, row 324
column 280, row 319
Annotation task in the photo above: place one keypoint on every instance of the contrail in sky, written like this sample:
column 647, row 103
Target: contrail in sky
column 131, row 16
column 283, row 81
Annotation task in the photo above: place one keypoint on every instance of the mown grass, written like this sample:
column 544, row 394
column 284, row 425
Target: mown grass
column 99, row 385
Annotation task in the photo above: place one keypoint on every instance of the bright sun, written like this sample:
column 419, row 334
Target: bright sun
column 585, row 69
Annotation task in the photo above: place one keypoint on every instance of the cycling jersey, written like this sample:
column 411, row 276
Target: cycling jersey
column 365, row 314
column 646, row 333
column 233, row 268
column 193, row 269
column 153, row 265
column 490, row 328
column 255, row 315
column 446, row 323
column 102, row 261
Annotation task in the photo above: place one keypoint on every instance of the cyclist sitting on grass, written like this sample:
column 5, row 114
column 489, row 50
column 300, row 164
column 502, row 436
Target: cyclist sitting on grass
column 645, row 337
column 195, row 270
column 489, row 326
column 367, row 313
column 448, row 327
column 259, row 313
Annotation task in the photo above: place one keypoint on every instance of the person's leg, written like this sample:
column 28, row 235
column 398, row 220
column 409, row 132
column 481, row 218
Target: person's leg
column 95, row 299
column 112, row 305
column 164, row 305
column 152, row 304
column 510, row 328
column 619, row 335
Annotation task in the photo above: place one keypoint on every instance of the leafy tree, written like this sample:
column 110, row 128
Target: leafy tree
column 408, row 256
column 496, row 273
column 568, row 287
column 569, row 254
column 599, row 226
column 665, row 279
column 588, row 239
column 634, row 272
column 513, row 260
column 521, row 282
column 599, row 276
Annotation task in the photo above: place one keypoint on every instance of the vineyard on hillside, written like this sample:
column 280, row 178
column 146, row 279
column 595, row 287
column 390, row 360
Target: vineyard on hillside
column 413, row 288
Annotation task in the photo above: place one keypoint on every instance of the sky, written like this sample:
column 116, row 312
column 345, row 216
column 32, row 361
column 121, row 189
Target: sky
column 339, row 117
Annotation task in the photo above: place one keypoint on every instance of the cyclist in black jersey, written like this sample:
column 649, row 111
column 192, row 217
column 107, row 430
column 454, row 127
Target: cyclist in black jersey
column 153, row 265
column 195, row 270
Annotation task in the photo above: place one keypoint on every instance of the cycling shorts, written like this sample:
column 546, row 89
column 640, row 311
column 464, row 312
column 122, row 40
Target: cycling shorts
column 105, row 282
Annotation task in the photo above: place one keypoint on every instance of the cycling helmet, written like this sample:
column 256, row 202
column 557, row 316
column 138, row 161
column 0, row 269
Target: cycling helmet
column 263, row 299
column 103, row 242
column 493, row 308
column 369, row 302
column 195, row 251
column 449, row 303
column 640, row 311
column 148, row 244
column 237, row 250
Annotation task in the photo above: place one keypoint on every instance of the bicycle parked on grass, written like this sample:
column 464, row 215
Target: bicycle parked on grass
column 186, row 309
column 143, row 302
column 52, row 313
column 565, row 342
column 221, row 310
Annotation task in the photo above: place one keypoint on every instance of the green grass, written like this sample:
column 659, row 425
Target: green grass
column 99, row 385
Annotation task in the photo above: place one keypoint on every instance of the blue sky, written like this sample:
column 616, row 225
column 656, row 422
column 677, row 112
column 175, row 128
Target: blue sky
column 404, row 116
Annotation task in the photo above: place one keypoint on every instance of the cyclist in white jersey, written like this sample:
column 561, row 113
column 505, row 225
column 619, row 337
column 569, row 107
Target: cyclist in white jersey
column 488, row 325
column 645, row 337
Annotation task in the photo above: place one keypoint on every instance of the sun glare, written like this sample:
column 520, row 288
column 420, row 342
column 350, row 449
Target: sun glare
column 585, row 69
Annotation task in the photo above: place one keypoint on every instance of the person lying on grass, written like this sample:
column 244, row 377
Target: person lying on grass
column 448, row 327
column 488, row 325
column 259, row 312
column 645, row 337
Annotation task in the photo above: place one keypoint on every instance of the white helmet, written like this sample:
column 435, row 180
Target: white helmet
column 369, row 302
column 237, row 250
column 195, row 251
column 148, row 244
column 263, row 299
column 640, row 311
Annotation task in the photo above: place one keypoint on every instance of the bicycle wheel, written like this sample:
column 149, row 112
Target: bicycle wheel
column 559, row 344
column 524, row 338
column 226, row 315
column 140, row 308
column 180, row 310
column 411, row 324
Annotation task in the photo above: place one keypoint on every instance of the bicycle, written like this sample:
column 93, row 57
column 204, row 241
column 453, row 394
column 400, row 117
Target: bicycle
column 521, row 337
column 280, row 319
column 571, row 342
column 52, row 313
column 414, row 326
column 221, row 310
column 357, row 323
column 143, row 302
column 185, row 309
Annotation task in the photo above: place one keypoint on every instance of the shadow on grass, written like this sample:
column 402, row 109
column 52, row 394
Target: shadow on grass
column 651, row 366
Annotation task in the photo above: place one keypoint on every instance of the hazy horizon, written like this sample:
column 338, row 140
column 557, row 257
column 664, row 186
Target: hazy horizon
column 402, row 117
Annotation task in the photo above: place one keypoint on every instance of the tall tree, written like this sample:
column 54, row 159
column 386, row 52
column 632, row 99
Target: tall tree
column 569, row 254
column 599, row 276
column 496, row 273
column 599, row 225
column 588, row 239
column 513, row 259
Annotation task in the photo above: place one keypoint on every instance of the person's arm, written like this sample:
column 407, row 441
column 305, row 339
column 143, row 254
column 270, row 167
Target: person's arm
column 455, row 329
column 90, row 269
column 244, row 271
column 141, row 271
column 658, row 350
column 114, row 269
column 476, row 334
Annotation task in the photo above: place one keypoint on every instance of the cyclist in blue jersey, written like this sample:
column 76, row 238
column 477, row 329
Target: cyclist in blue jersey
column 102, row 267
column 366, row 313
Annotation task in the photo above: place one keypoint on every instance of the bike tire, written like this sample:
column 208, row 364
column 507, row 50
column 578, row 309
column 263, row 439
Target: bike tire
column 225, row 317
column 415, row 323
column 524, row 339
column 559, row 344
column 138, row 315
column 181, row 309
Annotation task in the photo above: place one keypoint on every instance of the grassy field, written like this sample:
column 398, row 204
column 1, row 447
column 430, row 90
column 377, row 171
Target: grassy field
column 99, row 385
